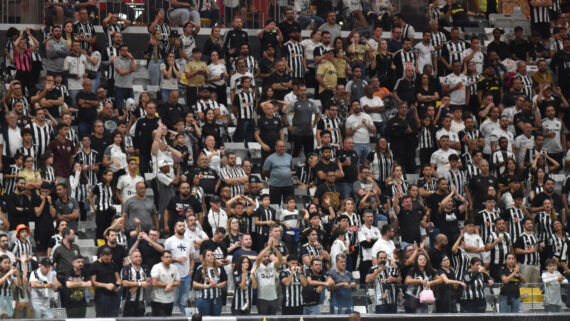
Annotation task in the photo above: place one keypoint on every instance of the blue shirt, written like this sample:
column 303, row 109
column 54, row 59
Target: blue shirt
column 341, row 297
column 279, row 168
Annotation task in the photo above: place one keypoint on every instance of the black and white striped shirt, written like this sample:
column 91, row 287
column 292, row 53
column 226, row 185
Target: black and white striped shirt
column 475, row 282
column 205, row 276
column 381, row 285
column 381, row 165
column 426, row 138
column 470, row 134
column 10, row 183
column 527, row 84
column 499, row 252
column 415, row 289
column 244, row 102
column 392, row 188
column 334, row 126
column 556, row 7
column 471, row 171
column 42, row 135
column 453, row 50
column 460, row 262
column 201, row 105
column 539, row 14
column 294, row 53
column 292, row 294
column 6, row 288
column 108, row 54
column 264, row 214
column 22, row 248
column 23, row 100
column 104, row 196
column 472, row 80
column 110, row 30
column 48, row 173
column 544, row 227
column 401, row 58
column 560, row 246
column 242, row 297
column 80, row 193
column 88, row 158
column 132, row 274
column 165, row 31
column 250, row 64
column 305, row 174
column 486, row 222
column 498, row 157
column 72, row 136
column 515, row 217
column 309, row 250
column 236, row 172
column 437, row 39
column 84, row 30
column 458, row 179
column 429, row 185
column 407, row 31
column 526, row 242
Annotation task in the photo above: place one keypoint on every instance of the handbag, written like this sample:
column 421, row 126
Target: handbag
column 91, row 74
column 426, row 296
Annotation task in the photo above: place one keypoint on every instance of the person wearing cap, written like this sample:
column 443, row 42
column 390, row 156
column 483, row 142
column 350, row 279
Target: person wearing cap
column 106, row 280
column 22, row 248
column 43, row 283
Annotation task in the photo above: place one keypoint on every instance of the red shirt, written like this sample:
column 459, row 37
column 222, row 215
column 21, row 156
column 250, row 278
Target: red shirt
column 62, row 156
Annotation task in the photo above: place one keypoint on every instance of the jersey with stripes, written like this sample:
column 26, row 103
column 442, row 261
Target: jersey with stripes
column 294, row 53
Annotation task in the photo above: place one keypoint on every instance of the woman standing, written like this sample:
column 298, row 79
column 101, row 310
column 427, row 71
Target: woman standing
column 214, row 43
column 397, row 183
column 216, row 157
column 9, row 276
column 233, row 237
column 45, row 166
column 511, row 279
column 104, row 209
column 381, row 162
column 80, row 189
column 544, row 220
column 209, row 279
column 67, row 33
column 170, row 75
column 23, row 60
column 154, row 55
column 473, row 298
column 309, row 46
column 33, row 177
column 217, row 77
column 472, row 79
column 382, row 66
column 93, row 63
column 447, row 292
column 115, row 155
column 419, row 278
column 211, row 127
column 244, row 286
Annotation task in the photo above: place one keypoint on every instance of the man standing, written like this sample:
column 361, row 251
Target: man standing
column 177, row 206
column 76, row 282
column 293, row 54
column 143, row 138
column 243, row 106
column 126, row 185
column 62, row 150
column 164, row 279
column 265, row 274
column 341, row 293
column 455, row 85
column 139, row 207
column 136, row 279
column 74, row 69
column 233, row 175
column 278, row 168
column 500, row 244
column 301, row 129
column 373, row 106
column 56, row 51
column 64, row 254
column 314, row 292
column 367, row 236
column 87, row 103
column 359, row 125
column 400, row 130
column 196, row 72
column 528, row 251
column 107, row 283
column 43, row 283
column 268, row 130
column 234, row 38
column 125, row 67
column 292, row 282
column 183, row 258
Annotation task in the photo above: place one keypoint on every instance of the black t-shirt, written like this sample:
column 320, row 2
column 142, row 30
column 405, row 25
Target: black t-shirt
column 53, row 94
column 479, row 185
column 406, row 90
column 44, row 220
column 321, row 166
column 220, row 249
column 75, row 297
column 435, row 257
column 556, row 201
column 310, row 295
column 177, row 207
column 410, row 225
column 86, row 114
column 492, row 86
column 351, row 171
column 208, row 178
column 432, row 202
column 269, row 129
column 150, row 256
column 104, row 273
column 110, row 123
column 525, row 118
column 100, row 144
column 448, row 224
column 458, row 12
column 275, row 78
column 119, row 253
column 511, row 289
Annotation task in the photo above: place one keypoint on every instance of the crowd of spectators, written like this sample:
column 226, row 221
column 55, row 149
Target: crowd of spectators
column 416, row 165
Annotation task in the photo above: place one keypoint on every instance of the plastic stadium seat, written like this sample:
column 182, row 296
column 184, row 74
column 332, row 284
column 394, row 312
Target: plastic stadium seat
column 509, row 22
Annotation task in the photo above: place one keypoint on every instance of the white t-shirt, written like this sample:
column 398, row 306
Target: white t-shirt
column 456, row 97
column 374, row 102
column 75, row 65
column 425, row 54
column 180, row 247
column 362, row 135
column 363, row 233
column 487, row 128
column 456, row 127
column 40, row 296
column 194, row 236
column 219, row 219
column 128, row 185
column 216, row 71
column 552, row 144
column 473, row 240
column 386, row 246
column 164, row 275
column 441, row 160
column 523, row 143
column 477, row 58
column 338, row 247
column 453, row 137
column 265, row 276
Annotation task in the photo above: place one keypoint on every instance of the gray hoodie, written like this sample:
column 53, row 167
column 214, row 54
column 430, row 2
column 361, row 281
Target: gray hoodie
column 56, row 51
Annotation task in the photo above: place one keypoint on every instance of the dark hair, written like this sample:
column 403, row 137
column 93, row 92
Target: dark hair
column 385, row 229
column 239, row 263
column 220, row 230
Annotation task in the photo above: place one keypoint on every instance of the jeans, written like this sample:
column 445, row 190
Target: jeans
column 244, row 130
column 311, row 310
column 180, row 15
column 552, row 308
column 509, row 305
column 182, row 292
column 277, row 193
column 84, row 128
column 306, row 142
column 144, row 164
column 95, row 83
column 42, row 313
column 165, row 94
column 340, row 310
column 107, row 306
column 362, row 150
column 209, row 307
column 154, row 71
column 72, row 95
column 122, row 94
column 345, row 190
column 304, row 21
column 161, row 309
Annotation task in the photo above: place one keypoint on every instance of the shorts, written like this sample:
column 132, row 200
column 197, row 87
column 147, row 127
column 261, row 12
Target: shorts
column 42, row 238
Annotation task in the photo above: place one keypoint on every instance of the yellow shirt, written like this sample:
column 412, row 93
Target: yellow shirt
column 199, row 79
column 30, row 177
column 340, row 65
column 328, row 72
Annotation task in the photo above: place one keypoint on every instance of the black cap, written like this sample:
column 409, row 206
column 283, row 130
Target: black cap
column 45, row 261
column 215, row 199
